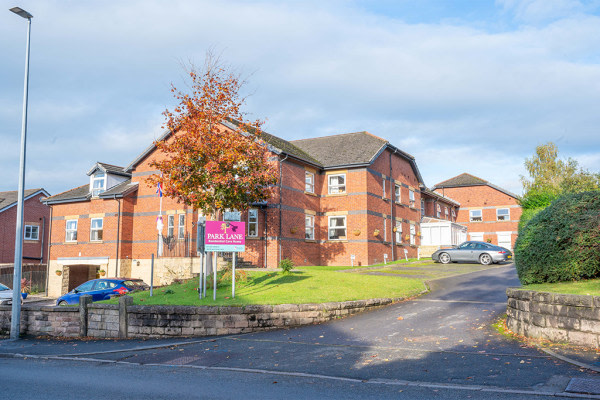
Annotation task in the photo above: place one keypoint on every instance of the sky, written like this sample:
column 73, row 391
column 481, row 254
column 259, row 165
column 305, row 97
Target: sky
column 464, row 86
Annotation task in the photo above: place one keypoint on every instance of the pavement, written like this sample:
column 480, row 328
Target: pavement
column 440, row 340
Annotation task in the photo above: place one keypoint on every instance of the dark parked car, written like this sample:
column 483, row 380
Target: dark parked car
column 483, row 253
column 102, row 289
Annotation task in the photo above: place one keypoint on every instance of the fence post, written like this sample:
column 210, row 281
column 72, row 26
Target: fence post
column 124, row 301
column 83, row 314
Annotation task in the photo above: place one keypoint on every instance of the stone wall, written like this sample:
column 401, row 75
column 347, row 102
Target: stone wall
column 556, row 317
column 103, row 321
column 46, row 321
column 126, row 320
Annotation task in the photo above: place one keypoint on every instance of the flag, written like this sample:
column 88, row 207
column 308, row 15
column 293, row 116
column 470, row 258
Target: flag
column 159, row 189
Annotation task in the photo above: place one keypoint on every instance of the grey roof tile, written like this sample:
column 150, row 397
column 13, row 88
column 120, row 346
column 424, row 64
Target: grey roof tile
column 121, row 189
column 465, row 179
column 345, row 149
column 9, row 198
column 79, row 193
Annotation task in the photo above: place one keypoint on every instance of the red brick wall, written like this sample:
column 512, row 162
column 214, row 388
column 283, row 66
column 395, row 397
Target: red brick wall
column 488, row 200
column 363, row 205
column 34, row 213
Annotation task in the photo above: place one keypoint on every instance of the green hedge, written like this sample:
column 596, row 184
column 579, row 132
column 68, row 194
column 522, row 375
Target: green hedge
column 561, row 242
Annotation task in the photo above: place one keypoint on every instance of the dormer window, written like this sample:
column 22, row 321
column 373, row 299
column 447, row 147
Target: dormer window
column 98, row 183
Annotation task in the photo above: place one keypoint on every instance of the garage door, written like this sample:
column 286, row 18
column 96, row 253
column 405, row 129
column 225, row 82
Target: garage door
column 504, row 239
column 79, row 274
column 476, row 236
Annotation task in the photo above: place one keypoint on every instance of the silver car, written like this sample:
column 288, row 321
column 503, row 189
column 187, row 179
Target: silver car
column 483, row 253
column 6, row 295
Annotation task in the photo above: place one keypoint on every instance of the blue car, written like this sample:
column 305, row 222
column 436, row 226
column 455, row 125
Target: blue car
column 102, row 289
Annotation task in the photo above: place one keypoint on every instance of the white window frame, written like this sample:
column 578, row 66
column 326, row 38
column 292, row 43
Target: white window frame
column 32, row 229
column 309, row 227
column 73, row 231
column 413, row 234
column 385, row 229
column 422, row 207
column 383, row 186
column 453, row 214
column 336, row 188
column 473, row 218
column 446, row 213
column 309, row 182
column 181, row 226
column 506, row 216
column 253, row 222
column 337, row 227
column 170, row 225
column 438, row 211
column 398, row 193
column 398, row 231
column 411, row 198
column 96, row 233
column 98, row 177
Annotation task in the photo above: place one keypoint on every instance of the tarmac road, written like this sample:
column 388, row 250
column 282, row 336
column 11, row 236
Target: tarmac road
column 440, row 344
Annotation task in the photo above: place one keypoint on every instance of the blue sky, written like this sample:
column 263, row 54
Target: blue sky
column 464, row 86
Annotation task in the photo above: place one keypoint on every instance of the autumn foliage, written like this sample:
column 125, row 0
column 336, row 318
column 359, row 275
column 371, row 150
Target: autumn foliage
column 216, row 160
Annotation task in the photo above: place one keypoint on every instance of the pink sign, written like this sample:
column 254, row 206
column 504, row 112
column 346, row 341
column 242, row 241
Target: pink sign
column 225, row 236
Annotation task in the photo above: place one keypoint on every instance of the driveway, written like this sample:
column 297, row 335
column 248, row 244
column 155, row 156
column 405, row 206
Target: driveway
column 442, row 339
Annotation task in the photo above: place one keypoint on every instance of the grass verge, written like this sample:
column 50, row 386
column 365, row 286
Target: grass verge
column 585, row 287
column 303, row 285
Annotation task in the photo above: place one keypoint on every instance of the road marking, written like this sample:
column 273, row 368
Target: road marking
column 431, row 385
column 459, row 301
column 410, row 349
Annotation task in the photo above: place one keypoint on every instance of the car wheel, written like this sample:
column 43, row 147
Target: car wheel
column 63, row 303
column 485, row 259
column 445, row 258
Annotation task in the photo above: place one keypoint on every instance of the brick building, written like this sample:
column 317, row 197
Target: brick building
column 36, row 217
column 489, row 212
column 337, row 196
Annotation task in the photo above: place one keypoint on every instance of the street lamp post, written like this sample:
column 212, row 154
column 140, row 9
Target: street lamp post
column 15, row 323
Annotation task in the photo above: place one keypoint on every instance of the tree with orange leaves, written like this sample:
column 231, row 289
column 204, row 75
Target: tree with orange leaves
column 216, row 160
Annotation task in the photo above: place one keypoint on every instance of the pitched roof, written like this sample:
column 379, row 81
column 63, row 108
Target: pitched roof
column 345, row 149
column 277, row 145
column 109, row 168
column 82, row 193
column 10, row 198
column 120, row 190
column 465, row 179
column 439, row 196
column 78, row 194
column 462, row 180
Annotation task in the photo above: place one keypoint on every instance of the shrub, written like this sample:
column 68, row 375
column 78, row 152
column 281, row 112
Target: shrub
column 561, row 242
column 286, row 265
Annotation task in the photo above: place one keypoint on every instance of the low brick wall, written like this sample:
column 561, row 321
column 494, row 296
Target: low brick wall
column 556, row 317
column 46, row 321
column 124, row 320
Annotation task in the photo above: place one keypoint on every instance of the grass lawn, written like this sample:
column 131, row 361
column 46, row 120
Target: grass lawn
column 431, row 270
column 588, row 287
column 303, row 285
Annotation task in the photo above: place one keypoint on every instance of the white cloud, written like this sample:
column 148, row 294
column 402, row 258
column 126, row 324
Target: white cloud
column 101, row 74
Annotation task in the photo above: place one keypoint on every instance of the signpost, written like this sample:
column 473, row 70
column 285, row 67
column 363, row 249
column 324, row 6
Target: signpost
column 227, row 236
column 406, row 254
column 384, row 258
column 201, row 228
column 352, row 257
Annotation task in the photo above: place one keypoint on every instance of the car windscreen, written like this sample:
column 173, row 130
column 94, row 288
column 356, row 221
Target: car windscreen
column 134, row 284
column 2, row 287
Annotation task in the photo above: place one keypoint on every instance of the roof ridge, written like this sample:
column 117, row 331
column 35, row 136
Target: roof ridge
column 75, row 188
column 339, row 134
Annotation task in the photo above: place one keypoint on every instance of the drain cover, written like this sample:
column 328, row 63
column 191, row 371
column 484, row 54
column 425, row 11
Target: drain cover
column 182, row 360
column 581, row 385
